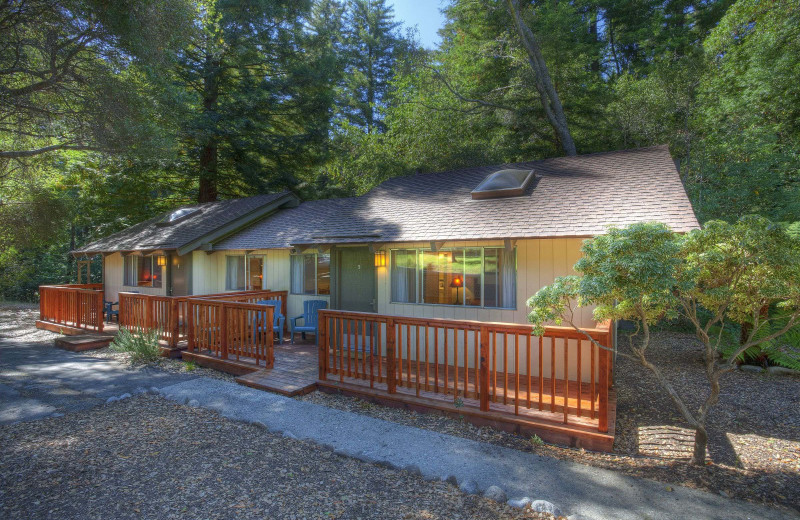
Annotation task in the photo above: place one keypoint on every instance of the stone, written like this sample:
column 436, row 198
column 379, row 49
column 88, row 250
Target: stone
column 413, row 468
column 194, row 403
column 496, row 494
column 469, row 487
column 124, row 396
column 112, row 399
column 450, row 479
column 750, row 368
column 154, row 390
column 782, row 371
column 543, row 506
column 520, row 503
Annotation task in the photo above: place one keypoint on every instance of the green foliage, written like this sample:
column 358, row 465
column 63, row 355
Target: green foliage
column 142, row 346
column 536, row 441
column 628, row 274
column 190, row 366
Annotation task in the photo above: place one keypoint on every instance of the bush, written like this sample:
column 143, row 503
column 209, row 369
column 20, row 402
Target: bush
column 142, row 346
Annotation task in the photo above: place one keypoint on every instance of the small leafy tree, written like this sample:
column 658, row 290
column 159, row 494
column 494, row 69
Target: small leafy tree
column 723, row 274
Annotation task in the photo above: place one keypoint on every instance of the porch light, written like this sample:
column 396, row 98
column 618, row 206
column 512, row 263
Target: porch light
column 380, row 258
column 161, row 261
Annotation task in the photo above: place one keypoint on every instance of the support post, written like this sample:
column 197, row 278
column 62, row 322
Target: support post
column 223, row 332
column 322, row 320
column 603, row 383
column 77, row 307
column 391, row 383
column 189, row 326
column 483, row 392
column 100, row 310
column 173, row 322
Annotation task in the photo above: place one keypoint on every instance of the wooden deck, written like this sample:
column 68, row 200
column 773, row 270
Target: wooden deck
column 295, row 371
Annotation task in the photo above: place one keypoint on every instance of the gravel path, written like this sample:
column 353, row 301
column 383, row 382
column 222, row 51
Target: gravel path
column 757, row 419
column 583, row 491
column 149, row 458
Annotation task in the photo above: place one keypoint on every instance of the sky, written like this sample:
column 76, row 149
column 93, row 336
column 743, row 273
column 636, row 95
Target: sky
column 424, row 14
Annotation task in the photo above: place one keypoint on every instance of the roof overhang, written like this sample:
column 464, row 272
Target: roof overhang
column 206, row 242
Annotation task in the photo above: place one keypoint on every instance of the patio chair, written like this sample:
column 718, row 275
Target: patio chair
column 278, row 319
column 309, row 317
column 110, row 312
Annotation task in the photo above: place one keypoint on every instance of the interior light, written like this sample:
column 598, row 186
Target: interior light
column 380, row 258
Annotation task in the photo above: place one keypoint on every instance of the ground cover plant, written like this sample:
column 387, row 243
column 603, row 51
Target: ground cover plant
column 142, row 346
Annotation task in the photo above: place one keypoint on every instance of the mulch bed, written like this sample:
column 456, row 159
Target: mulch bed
column 146, row 457
column 754, row 450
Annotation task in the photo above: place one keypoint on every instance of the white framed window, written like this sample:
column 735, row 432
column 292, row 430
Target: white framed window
column 469, row 276
column 245, row 272
column 143, row 271
column 310, row 273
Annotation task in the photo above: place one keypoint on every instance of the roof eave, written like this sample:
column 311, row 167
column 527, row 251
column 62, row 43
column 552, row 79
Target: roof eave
column 238, row 224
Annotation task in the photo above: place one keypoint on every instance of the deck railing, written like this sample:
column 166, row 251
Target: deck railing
column 231, row 329
column 78, row 306
column 168, row 315
column 492, row 366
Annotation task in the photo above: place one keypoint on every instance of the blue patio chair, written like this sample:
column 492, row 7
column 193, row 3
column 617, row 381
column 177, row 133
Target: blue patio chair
column 278, row 319
column 309, row 317
column 110, row 312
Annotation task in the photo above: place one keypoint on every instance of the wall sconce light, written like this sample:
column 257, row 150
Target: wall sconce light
column 380, row 258
column 161, row 261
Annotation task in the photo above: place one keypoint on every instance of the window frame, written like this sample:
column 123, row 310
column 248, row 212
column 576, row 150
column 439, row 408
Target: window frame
column 154, row 267
column 419, row 282
column 316, row 274
column 247, row 272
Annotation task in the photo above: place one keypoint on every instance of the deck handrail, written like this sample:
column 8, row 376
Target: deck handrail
column 168, row 315
column 562, row 372
column 74, row 305
column 231, row 329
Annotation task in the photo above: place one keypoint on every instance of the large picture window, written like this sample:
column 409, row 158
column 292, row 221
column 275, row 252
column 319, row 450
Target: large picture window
column 472, row 276
column 143, row 271
column 311, row 273
column 244, row 272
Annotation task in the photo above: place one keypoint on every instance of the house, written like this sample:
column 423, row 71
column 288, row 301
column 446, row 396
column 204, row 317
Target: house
column 427, row 245
column 425, row 278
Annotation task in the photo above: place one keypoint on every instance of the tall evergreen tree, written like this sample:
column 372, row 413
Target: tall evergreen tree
column 373, row 45
column 254, row 115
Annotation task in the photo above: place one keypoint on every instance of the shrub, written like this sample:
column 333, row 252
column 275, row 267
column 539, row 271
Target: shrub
column 142, row 346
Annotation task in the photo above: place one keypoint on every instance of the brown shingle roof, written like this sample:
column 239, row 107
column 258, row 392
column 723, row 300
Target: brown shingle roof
column 570, row 197
column 213, row 216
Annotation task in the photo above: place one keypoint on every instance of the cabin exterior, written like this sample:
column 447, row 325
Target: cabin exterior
column 425, row 280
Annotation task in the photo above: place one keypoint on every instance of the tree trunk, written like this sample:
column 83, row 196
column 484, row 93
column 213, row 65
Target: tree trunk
column 700, row 444
column 209, row 169
column 544, row 84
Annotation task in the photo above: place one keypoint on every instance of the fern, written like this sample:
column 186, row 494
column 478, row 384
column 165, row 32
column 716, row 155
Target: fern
column 783, row 350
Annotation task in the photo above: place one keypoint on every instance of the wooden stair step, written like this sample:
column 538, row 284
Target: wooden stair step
column 279, row 383
column 83, row 342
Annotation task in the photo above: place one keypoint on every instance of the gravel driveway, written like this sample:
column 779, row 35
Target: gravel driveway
column 145, row 457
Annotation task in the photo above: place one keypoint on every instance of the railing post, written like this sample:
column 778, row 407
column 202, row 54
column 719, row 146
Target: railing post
column 148, row 313
column 322, row 321
column 223, row 332
column 483, row 392
column 284, row 310
column 391, row 383
column 270, row 361
column 189, row 326
column 173, row 322
column 78, row 308
column 100, row 310
column 603, row 383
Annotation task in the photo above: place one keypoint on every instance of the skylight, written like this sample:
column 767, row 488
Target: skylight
column 503, row 183
column 178, row 215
